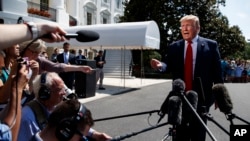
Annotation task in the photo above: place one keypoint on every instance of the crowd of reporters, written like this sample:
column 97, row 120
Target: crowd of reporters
column 22, row 61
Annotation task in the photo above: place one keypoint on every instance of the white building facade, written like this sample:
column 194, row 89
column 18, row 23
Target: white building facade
column 64, row 12
column 69, row 13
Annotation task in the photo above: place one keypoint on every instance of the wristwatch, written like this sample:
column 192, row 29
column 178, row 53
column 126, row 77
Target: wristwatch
column 33, row 29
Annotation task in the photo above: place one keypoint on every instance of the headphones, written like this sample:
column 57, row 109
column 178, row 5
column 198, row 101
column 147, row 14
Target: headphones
column 44, row 91
column 68, row 127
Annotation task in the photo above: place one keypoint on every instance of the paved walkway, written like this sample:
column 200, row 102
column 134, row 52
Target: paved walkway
column 118, row 85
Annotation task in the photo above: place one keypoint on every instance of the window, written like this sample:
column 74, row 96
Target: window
column 44, row 5
column 118, row 4
column 105, row 17
column 89, row 18
column 104, row 20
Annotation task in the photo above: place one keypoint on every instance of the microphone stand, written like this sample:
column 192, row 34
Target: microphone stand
column 128, row 115
column 172, row 132
column 119, row 138
column 210, row 118
column 198, row 117
column 231, row 116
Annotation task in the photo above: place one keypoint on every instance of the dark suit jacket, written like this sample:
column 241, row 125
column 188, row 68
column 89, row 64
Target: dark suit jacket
column 60, row 58
column 98, row 59
column 80, row 61
column 67, row 77
column 207, row 67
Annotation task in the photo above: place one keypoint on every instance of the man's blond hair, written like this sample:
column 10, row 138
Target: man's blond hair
column 191, row 18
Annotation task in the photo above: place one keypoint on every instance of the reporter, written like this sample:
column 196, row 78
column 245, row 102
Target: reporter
column 70, row 120
column 24, row 32
column 33, row 51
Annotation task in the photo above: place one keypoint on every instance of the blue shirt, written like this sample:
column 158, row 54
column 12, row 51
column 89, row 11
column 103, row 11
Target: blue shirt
column 4, row 74
column 5, row 132
column 29, row 125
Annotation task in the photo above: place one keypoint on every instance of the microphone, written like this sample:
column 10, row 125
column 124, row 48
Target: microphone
column 164, row 107
column 81, row 36
column 175, row 110
column 192, row 97
column 178, row 86
column 222, row 98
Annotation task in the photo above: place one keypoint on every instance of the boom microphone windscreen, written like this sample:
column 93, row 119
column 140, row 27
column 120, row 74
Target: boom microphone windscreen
column 178, row 85
column 174, row 110
column 192, row 97
column 164, row 106
column 81, row 36
column 222, row 98
column 86, row 36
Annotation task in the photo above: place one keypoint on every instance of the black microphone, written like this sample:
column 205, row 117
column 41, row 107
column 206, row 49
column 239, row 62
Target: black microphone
column 192, row 97
column 175, row 110
column 225, row 103
column 222, row 98
column 81, row 36
column 178, row 86
column 164, row 107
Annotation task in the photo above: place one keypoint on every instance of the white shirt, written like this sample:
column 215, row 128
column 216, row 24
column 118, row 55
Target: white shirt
column 66, row 57
column 194, row 49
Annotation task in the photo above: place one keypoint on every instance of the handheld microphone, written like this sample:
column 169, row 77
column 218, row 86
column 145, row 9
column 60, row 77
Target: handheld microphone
column 81, row 36
column 222, row 98
column 175, row 110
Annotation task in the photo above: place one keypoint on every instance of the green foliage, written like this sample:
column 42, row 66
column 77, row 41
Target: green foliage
column 167, row 13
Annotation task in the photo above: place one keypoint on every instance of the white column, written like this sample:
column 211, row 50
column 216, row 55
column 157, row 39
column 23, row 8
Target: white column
column 57, row 4
column 73, row 8
column 62, row 17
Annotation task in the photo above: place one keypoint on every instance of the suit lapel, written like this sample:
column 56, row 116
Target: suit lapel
column 182, row 48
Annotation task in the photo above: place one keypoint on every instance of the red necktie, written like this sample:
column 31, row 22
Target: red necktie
column 189, row 67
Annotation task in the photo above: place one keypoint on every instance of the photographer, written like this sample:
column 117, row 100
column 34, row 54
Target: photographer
column 12, row 54
column 10, row 116
column 33, row 51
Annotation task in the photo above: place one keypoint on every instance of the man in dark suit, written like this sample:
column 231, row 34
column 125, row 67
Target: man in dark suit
column 205, row 71
column 80, row 57
column 67, row 58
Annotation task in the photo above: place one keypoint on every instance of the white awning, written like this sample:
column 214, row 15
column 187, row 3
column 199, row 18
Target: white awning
column 130, row 35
